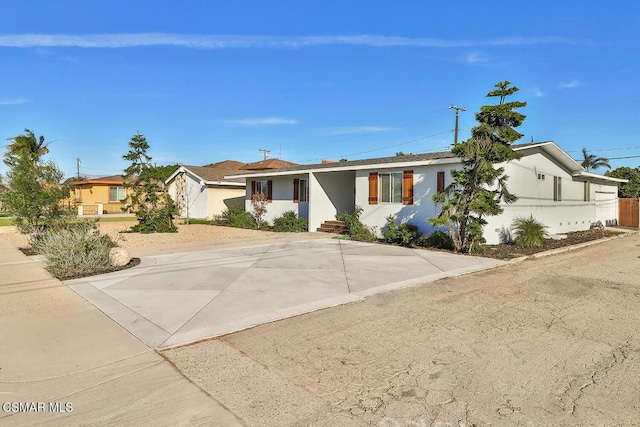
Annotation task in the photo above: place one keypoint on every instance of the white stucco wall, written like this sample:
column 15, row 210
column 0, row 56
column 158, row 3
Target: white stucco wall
column 330, row 194
column 424, row 186
column 281, row 194
column 535, row 197
column 195, row 196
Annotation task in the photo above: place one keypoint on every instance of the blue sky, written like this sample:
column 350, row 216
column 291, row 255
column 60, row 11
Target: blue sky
column 207, row 81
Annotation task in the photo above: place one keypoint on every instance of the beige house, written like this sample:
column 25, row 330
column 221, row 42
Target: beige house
column 103, row 195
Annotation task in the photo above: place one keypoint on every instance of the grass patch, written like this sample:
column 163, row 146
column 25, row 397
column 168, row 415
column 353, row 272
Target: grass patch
column 6, row 221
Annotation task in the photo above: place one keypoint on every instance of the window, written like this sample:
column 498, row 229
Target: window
column 557, row 188
column 304, row 190
column 117, row 194
column 395, row 187
column 587, row 191
column 390, row 187
column 263, row 187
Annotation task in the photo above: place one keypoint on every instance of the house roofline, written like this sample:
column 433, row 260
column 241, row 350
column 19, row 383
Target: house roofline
column 585, row 174
column 441, row 161
column 185, row 169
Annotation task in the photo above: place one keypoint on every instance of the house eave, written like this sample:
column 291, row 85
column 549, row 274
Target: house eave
column 595, row 176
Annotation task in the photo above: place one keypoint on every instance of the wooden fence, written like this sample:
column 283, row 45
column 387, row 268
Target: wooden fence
column 629, row 213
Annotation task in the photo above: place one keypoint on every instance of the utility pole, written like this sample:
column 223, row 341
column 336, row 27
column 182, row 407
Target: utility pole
column 78, row 166
column 266, row 152
column 458, row 109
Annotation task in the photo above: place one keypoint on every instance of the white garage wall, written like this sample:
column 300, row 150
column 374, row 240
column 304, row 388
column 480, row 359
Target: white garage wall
column 196, row 196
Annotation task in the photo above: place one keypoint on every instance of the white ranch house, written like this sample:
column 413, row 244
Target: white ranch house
column 204, row 192
column 550, row 185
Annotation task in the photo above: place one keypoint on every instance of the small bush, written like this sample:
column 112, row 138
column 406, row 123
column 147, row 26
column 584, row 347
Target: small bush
column 77, row 250
column 355, row 228
column 289, row 222
column 404, row 234
column 438, row 240
column 236, row 217
column 528, row 232
column 160, row 221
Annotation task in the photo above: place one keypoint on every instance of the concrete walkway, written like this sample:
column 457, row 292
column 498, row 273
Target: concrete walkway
column 59, row 349
column 174, row 299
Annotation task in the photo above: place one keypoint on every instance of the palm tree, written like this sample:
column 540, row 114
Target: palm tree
column 27, row 146
column 592, row 162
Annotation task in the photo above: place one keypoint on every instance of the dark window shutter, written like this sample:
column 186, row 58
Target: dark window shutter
column 407, row 188
column 373, row 188
column 440, row 187
column 253, row 188
column 296, row 190
column 269, row 190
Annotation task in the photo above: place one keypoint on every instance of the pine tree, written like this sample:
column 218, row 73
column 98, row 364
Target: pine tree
column 152, row 205
column 479, row 187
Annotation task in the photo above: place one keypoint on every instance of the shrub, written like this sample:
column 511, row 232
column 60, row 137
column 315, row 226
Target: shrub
column 355, row 228
column 77, row 250
column 290, row 222
column 438, row 240
column 236, row 217
column 259, row 208
column 528, row 232
column 404, row 234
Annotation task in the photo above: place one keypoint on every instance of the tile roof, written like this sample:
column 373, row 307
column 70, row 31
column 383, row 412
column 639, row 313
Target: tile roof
column 268, row 164
column 226, row 164
column 214, row 174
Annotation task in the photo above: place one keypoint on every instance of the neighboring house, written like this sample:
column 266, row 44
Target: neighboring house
column 103, row 195
column 551, row 186
column 204, row 192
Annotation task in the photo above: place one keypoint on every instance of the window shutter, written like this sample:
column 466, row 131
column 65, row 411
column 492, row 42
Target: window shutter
column 373, row 188
column 269, row 192
column 296, row 190
column 440, row 186
column 253, row 188
column 407, row 188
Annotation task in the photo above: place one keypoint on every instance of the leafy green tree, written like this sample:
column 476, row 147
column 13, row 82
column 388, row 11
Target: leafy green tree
column 629, row 189
column 591, row 161
column 152, row 205
column 479, row 187
column 33, row 193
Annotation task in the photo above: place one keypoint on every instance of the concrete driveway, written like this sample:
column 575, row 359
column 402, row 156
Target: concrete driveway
column 169, row 300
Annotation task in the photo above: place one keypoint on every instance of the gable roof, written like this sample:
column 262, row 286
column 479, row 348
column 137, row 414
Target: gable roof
column 268, row 164
column 211, row 176
column 226, row 164
column 443, row 157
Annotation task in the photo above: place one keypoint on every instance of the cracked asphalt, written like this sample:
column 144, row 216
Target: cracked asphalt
column 552, row 341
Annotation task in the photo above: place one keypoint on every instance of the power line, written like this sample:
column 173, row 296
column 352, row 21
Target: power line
column 422, row 138
column 605, row 149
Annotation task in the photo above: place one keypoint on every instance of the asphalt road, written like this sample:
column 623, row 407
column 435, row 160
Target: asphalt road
column 552, row 341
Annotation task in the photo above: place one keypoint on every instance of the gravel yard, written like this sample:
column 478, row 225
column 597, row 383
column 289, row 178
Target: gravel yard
column 186, row 233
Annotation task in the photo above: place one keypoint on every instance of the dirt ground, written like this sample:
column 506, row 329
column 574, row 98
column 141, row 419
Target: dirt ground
column 186, row 233
column 551, row 341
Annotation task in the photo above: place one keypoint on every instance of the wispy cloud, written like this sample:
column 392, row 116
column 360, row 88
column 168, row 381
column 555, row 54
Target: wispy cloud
column 128, row 40
column 476, row 58
column 264, row 121
column 16, row 101
column 359, row 129
column 538, row 93
column 570, row 85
